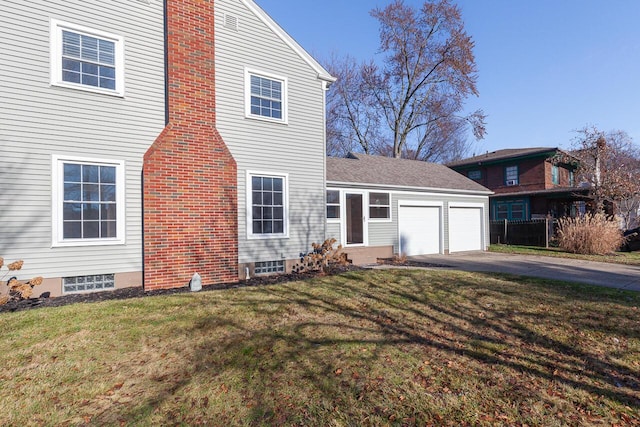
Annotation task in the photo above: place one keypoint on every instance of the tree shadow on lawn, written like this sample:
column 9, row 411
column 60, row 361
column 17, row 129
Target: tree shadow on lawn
column 321, row 343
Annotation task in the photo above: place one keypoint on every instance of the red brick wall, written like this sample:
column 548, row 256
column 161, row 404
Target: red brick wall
column 189, row 176
column 531, row 176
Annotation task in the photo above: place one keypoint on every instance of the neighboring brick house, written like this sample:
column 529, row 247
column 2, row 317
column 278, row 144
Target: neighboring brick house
column 141, row 147
column 528, row 183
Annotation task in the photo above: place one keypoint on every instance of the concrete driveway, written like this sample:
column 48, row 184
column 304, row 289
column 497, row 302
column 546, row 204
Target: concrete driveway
column 595, row 273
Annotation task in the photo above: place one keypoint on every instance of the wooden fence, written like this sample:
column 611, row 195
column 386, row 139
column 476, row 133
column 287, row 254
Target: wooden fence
column 537, row 232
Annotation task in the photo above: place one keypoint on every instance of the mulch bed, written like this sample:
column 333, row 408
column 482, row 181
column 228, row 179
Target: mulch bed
column 139, row 292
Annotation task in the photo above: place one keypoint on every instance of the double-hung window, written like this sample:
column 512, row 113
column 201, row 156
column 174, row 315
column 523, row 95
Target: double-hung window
column 86, row 59
column 333, row 204
column 266, row 96
column 88, row 202
column 511, row 175
column 379, row 206
column 267, row 206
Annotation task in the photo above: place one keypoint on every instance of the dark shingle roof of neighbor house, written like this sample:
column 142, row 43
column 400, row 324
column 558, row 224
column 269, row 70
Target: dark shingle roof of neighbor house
column 503, row 155
column 387, row 171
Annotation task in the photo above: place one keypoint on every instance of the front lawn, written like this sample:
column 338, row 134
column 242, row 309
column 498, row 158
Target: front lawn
column 383, row 347
column 629, row 258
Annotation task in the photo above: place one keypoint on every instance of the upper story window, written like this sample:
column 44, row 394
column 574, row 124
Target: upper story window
column 333, row 204
column 267, row 207
column 572, row 179
column 555, row 175
column 511, row 175
column 88, row 202
column 475, row 174
column 87, row 59
column 266, row 96
column 379, row 206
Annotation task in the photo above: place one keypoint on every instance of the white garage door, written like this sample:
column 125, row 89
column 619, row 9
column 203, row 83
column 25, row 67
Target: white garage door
column 419, row 229
column 465, row 229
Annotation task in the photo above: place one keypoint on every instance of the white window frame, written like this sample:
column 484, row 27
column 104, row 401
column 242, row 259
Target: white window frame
column 339, row 205
column 56, row 57
column 57, row 192
column 249, row 205
column 248, row 72
column 369, row 206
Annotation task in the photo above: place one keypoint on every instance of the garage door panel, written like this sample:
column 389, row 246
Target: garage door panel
column 465, row 229
column 419, row 228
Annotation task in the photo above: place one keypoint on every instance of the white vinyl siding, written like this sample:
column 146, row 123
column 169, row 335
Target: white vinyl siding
column 38, row 120
column 86, row 59
column 266, row 145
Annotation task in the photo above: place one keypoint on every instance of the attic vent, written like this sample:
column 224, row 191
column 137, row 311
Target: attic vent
column 231, row 22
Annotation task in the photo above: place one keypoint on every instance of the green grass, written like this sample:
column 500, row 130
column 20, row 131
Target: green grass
column 384, row 347
column 629, row 258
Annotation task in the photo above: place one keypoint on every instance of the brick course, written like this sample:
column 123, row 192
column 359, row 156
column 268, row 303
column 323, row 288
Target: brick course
column 189, row 176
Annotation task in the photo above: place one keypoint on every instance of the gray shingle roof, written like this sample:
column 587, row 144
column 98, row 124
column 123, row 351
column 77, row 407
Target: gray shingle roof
column 503, row 154
column 365, row 169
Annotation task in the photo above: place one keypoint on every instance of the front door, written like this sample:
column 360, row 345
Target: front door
column 354, row 203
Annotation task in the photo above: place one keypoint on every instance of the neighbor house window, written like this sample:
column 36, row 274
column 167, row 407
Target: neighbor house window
column 267, row 206
column 572, row 179
column 86, row 59
column 475, row 175
column 88, row 198
column 333, row 204
column 511, row 175
column 266, row 96
column 555, row 175
column 379, row 206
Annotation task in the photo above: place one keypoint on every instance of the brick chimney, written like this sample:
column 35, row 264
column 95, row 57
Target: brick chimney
column 190, row 217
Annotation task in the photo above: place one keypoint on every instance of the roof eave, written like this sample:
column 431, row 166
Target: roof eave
column 411, row 188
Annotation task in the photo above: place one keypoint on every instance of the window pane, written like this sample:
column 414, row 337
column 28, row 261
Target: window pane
column 91, row 211
column 72, row 212
column 278, row 227
column 257, row 213
column 256, row 183
column 267, row 213
column 72, row 192
column 69, row 76
column 378, row 213
column 90, row 173
column 72, row 172
column 278, row 213
column 277, row 199
column 89, row 80
column 267, row 227
column 108, row 193
column 267, row 199
column 72, row 230
column 109, row 229
column 91, row 192
column 267, row 184
column 256, row 198
column 333, row 211
column 71, row 65
column 277, row 184
column 108, row 211
column 257, row 227
column 379, row 198
column 333, row 196
column 107, row 174
column 91, row 229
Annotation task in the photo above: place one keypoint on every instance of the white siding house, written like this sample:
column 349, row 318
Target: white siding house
column 270, row 106
column 81, row 99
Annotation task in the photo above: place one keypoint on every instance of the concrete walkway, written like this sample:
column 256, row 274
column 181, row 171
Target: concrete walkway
column 595, row 273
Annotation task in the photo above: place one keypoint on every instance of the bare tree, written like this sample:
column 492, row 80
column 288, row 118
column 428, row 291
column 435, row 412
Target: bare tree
column 609, row 162
column 409, row 104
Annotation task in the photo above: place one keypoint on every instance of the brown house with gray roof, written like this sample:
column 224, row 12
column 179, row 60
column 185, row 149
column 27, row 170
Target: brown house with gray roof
column 380, row 206
column 528, row 183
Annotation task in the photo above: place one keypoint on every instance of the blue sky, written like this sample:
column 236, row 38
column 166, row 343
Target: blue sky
column 545, row 67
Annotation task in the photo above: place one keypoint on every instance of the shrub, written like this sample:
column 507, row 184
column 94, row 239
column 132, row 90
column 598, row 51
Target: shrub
column 17, row 289
column 590, row 234
column 323, row 257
